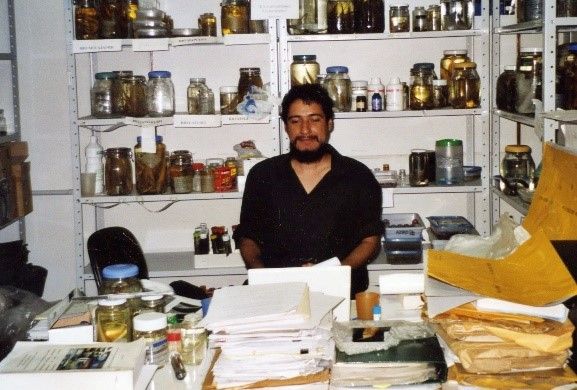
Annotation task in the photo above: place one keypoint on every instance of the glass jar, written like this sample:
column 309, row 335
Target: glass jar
column 457, row 14
column 449, row 161
column 517, row 164
column 338, row 85
column 440, row 94
column 506, row 89
column 130, row 9
column 181, row 173
column 160, row 94
column 197, row 169
column 248, row 80
column 193, row 342
column 113, row 321
column 232, row 164
column 150, row 304
column 234, row 17
column 566, row 8
column 118, row 171
column 207, row 180
column 150, row 168
column 419, row 166
column 120, row 91
column 228, row 99
column 528, row 10
column 421, row 95
column 207, row 24
column 529, row 79
column 201, row 240
column 399, row 18
column 369, row 16
column 465, row 85
column 434, row 17
column 420, row 19
column 134, row 89
column 200, row 98
column 111, row 14
column 568, row 78
column 256, row 26
column 304, row 69
column 340, row 17
column 86, row 21
column 101, row 95
column 312, row 18
column 359, row 93
column 3, row 125
column 451, row 57
column 152, row 327
column 120, row 279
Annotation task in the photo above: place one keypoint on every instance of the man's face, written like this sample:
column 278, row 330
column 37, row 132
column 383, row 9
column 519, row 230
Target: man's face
column 308, row 131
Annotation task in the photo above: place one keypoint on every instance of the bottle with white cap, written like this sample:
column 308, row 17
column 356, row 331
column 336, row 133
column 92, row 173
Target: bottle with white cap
column 375, row 86
column 94, row 153
column 395, row 95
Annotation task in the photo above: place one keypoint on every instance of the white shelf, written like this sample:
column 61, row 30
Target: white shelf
column 384, row 36
column 178, row 120
column 135, row 198
column 533, row 26
column 528, row 120
column 467, row 187
column 514, row 201
column 408, row 113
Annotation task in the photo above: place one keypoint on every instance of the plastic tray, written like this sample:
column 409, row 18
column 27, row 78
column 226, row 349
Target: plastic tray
column 446, row 226
column 395, row 230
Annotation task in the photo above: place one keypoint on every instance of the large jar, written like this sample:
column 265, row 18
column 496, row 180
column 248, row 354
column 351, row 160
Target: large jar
column 451, row 57
column 86, row 20
column 312, row 18
column 421, row 95
column 150, row 168
column 457, row 14
column 420, row 22
column 517, row 164
column 340, row 17
column 566, row 8
column 338, row 85
column 160, row 94
column 506, row 89
column 249, row 78
column 118, row 171
column 181, row 173
column 449, row 161
column 465, row 86
column 568, row 78
column 200, row 98
column 369, row 16
column 528, row 10
column 134, row 93
column 234, row 17
column 120, row 91
column 111, row 14
column 152, row 327
column 101, row 95
column 120, row 279
column 113, row 321
column 304, row 69
column 529, row 79
column 399, row 18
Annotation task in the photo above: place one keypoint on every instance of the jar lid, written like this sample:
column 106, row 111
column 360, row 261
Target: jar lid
column 304, row 57
column 337, row 69
column 122, row 73
column 198, row 80
column 359, row 84
column 118, row 151
column 399, row 5
column 250, row 70
column 440, row 82
column 104, row 76
column 455, row 52
column 531, row 50
column 419, row 11
column 197, row 166
column 449, row 142
column 111, row 302
column 147, row 322
column 229, row 89
column 148, row 298
column 424, row 65
column 517, row 149
column 464, row 65
column 181, row 152
column 158, row 139
column 159, row 74
column 119, row 271
column 511, row 67
column 572, row 47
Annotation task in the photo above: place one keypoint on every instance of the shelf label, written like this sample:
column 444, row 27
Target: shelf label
column 148, row 122
column 234, row 119
column 246, row 39
column 279, row 9
column 197, row 121
column 181, row 41
column 150, row 44
column 95, row 45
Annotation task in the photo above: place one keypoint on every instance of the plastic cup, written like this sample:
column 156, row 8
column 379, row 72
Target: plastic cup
column 87, row 184
column 365, row 301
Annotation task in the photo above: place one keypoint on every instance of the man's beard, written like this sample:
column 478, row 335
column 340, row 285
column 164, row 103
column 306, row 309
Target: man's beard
column 308, row 156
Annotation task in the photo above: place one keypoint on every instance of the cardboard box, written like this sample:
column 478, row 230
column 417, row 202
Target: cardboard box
column 21, row 189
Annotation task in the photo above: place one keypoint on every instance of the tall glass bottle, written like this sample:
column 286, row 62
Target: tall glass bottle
column 86, row 20
column 234, row 17
column 312, row 18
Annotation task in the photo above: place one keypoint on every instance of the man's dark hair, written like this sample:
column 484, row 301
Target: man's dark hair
column 308, row 93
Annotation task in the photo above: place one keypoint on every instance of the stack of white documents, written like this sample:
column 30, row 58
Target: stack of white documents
column 270, row 334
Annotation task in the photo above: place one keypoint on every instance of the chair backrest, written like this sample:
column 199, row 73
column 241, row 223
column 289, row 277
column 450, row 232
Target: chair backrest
column 114, row 245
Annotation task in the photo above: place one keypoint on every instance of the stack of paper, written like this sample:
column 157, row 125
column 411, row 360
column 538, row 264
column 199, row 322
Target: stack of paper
column 270, row 334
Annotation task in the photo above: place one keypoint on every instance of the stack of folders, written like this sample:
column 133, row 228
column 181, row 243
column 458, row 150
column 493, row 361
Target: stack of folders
column 270, row 335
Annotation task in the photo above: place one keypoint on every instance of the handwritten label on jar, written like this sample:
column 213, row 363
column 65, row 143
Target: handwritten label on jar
column 150, row 44
column 95, row 45
column 147, row 122
column 181, row 41
column 197, row 121
column 233, row 119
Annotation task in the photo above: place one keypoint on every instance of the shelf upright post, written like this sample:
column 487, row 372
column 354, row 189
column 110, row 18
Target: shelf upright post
column 495, row 119
column 549, row 73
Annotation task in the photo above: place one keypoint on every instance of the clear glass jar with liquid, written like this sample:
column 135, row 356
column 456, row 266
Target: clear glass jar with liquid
column 101, row 95
column 399, row 18
column 517, row 163
column 113, row 321
column 160, row 94
column 234, row 17
column 340, row 17
column 118, row 171
column 338, row 85
column 312, row 18
column 200, row 98
column 465, row 85
column 421, row 94
column 529, row 79
column 304, row 69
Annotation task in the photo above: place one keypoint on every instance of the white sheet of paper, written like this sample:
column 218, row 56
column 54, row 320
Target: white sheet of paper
column 388, row 198
column 148, row 140
column 279, row 9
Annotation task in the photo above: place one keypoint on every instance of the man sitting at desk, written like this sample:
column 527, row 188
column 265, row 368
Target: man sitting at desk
column 312, row 203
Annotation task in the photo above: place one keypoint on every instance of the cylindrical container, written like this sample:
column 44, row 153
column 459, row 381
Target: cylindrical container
column 118, row 171
column 207, row 180
column 135, row 99
column 130, row 9
column 152, row 328
column 338, row 85
column 181, row 173
column 228, row 99
column 457, row 14
column 111, row 15
column 194, row 342
column 568, row 78
column 120, row 279
column 232, row 164
column 234, row 17
column 421, row 96
column 399, row 18
column 222, row 179
column 434, row 17
column 369, row 16
column 420, row 22
column 440, row 93
column 150, row 304
column 566, row 8
column 207, row 24
column 304, row 69
column 394, row 95
column 113, row 321
column 466, row 85
column 101, row 95
column 94, row 154
column 506, row 95
column 150, row 168
column 200, row 99
column 430, row 165
column 529, row 79
column 160, row 94
column 376, row 102
column 449, row 161
column 359, row 96
column 86, row 20
column 528, row 10
column 418, row 176
column 312, row 18
column 340, row 17
column 120, row 91
column 451, row 57
column 249, row 79
column 517, row 164
column 197, row 177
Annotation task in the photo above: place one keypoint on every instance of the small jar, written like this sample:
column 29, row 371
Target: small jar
column 113, row 321
column 152, row 327
column 120, row 91
column 120, row 279
column 529, row 79
column 449, row 161
column 440, row 94
column 304, row 69
column 118, row 171
column 160, row 94
column 420, row 19
column 399, row 18
column 465, row 85
column 457, row 14
column 506, row 89
column 248, row 80
column 194, row 343
column 207, row 180
column 101, row 95
column 340, row 17
column 150, row 304
column 181, row 173
column 232, row 164
column 222, row 179
column 207, row 24
column 135, row 98
column 359, row 93
column 338, row 85
column 434, row 17
column 369, row 16
column 421, row 95
column 111, row 15
column 234, row 17
column 199, row 97
column 228, row 99
column 150, row 168
column 86, row 20
column 517, row 164
column 197, row 177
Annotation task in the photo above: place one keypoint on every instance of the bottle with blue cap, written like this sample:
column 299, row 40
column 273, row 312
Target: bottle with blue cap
column 339, row 87
column 120, row 279
column 160, row 94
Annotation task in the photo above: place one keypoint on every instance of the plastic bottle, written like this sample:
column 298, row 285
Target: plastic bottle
column 375, row 86
column 94, row 153
column 394, row 93
column 376, row 102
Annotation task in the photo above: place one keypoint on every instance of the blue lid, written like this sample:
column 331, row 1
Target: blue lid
column 159, row 74
column 424, row 65
column 572, row 46
column 158, row 138
column 120, row 271
column 337, row 69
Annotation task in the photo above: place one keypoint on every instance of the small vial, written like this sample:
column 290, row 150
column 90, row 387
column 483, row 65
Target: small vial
column 376, row 313
column 361, row 104
column 376, row 102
